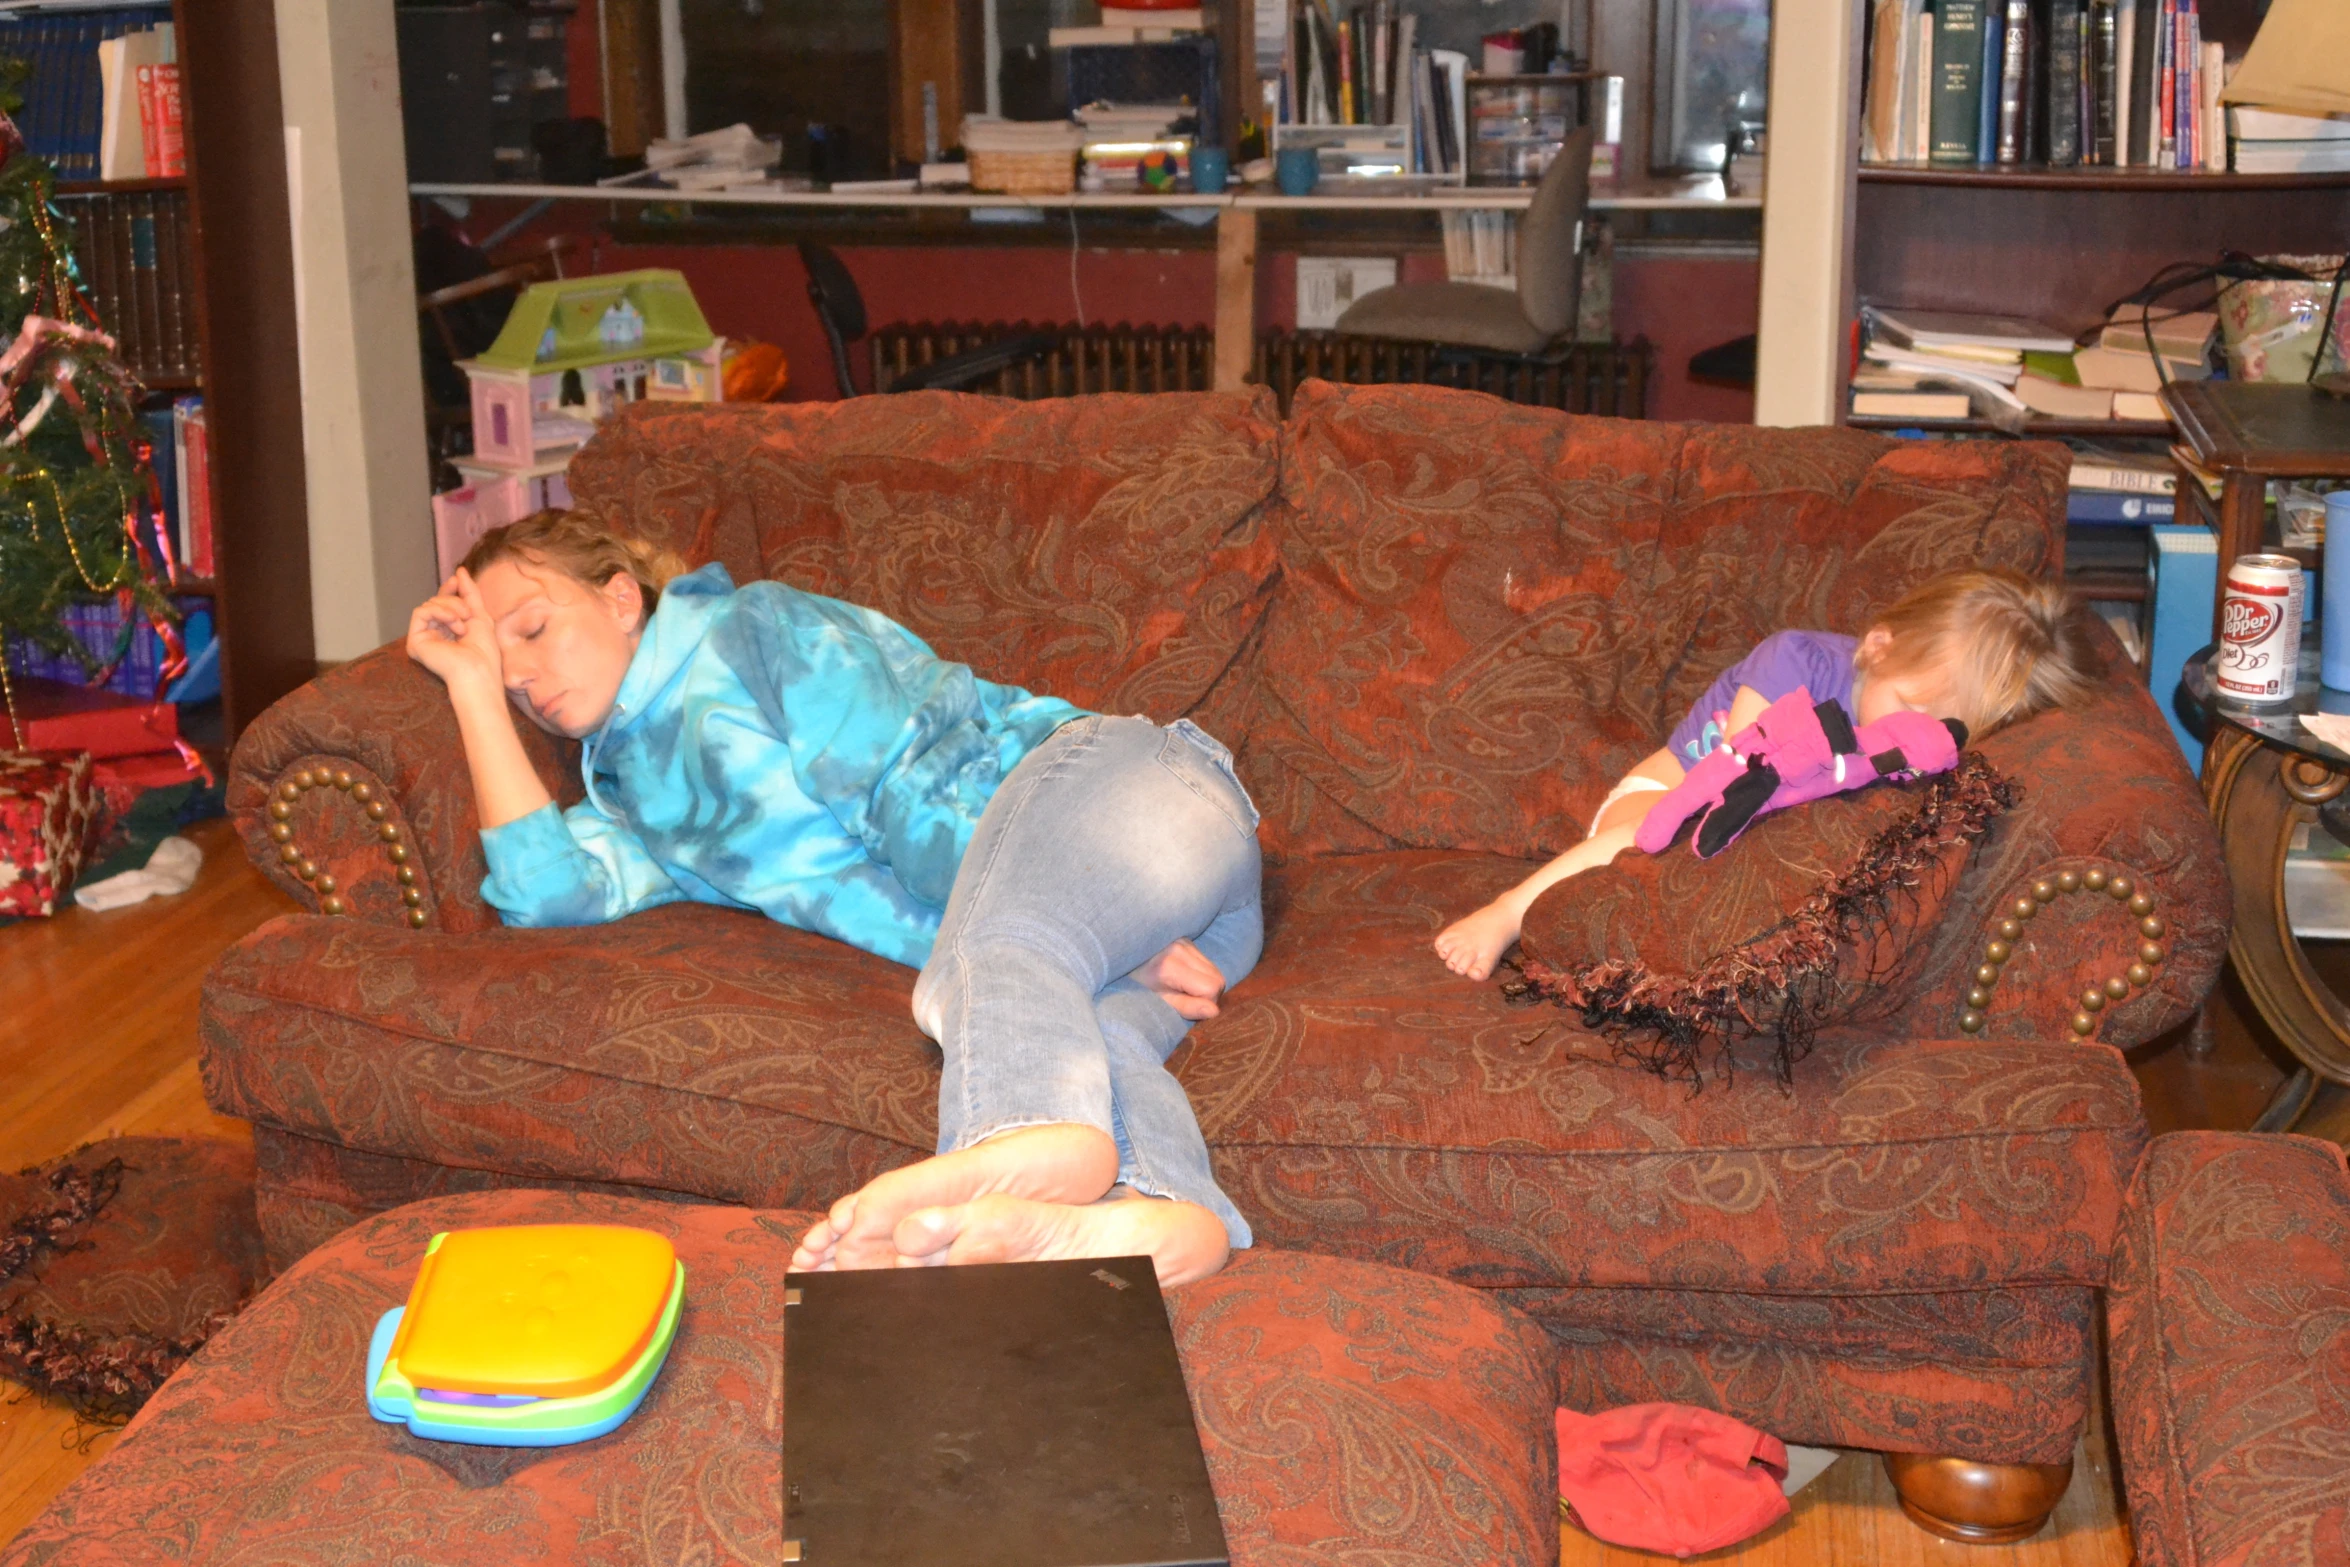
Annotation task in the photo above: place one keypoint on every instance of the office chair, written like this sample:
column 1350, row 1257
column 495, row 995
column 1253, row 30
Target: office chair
column 841, row 310
column 1480, row 316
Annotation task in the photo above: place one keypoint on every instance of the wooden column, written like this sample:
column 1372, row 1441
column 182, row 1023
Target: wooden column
column 1811, row 179
column 1236, row 296
column 632, row 68
column 938, row 42
column 252, row 358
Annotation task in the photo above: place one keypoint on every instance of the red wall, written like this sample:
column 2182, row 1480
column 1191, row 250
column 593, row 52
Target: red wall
column 1681, row 305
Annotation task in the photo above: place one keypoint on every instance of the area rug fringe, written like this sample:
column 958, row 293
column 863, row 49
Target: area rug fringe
column 78, row 1195
column 103, row 1378
column 1780, row 984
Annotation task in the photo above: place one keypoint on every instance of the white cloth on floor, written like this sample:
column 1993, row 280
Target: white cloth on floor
column 170, row 869
column 1806, row 1464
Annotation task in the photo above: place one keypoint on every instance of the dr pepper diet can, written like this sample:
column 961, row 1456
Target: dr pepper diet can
column 2260, row 629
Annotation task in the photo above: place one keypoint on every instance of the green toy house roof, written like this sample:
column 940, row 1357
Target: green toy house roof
column 554, row 326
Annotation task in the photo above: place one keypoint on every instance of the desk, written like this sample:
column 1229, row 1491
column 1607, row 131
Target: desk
column 2249, row 432
column 1234, row 213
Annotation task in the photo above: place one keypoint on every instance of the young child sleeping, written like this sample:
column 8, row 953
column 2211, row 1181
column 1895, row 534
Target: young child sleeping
column 1983, row 647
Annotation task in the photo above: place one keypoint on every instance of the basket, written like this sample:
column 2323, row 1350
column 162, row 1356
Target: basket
column 1051, row 173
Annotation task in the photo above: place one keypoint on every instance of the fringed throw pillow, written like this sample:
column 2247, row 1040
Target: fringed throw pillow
column 1796, row 925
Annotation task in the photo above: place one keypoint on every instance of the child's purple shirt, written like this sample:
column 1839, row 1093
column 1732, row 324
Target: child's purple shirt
column 1819, row 660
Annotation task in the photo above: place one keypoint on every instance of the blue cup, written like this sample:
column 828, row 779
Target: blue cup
column 1297, row 171
column 1209, row 170
column 2333, row 635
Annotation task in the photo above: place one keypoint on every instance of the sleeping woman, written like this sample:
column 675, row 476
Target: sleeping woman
column 1075, row 889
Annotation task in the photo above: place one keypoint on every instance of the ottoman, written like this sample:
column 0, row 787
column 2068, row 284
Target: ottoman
column 1350, row 1413
column 2229, row 1315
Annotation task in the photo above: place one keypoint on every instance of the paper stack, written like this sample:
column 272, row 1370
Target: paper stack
column 736, row 158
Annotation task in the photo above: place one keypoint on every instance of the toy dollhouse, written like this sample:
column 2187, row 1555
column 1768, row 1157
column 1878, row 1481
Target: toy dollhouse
column 571, row 353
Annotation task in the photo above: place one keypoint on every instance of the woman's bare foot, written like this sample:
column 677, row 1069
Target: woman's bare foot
column 1474, row 943
column 1061, row 1163
column 1182, row 1239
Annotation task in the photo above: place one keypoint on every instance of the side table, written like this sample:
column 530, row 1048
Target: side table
column 2249, row 432
column 2264, row 776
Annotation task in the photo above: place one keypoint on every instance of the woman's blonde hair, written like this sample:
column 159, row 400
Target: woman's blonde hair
column 574, row 544
column 2012, row 646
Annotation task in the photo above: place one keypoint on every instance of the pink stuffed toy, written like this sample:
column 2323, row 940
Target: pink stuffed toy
column 1794, row 753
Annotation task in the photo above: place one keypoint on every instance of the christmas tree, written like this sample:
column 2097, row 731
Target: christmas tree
column 79, row 503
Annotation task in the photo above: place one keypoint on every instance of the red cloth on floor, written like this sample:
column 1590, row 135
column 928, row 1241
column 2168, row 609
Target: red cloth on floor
column 1670, row 1477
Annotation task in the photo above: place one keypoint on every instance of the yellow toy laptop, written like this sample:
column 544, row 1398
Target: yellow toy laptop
column 527, row 1335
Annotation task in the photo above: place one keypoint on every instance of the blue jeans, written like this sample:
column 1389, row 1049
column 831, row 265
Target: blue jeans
column 1109, row 841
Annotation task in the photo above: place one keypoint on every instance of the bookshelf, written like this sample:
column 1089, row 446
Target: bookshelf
column 221, row 325
column 2063, row 244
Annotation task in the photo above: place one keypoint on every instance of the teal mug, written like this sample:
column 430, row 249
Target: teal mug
column 1209, row 170
column 1297, row 171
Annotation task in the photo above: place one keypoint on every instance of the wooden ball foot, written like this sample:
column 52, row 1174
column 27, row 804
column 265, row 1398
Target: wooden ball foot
column 1976, row 1503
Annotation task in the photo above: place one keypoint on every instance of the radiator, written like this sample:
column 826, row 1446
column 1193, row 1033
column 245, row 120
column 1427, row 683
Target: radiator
column 1117, row 358
column 1585, row 378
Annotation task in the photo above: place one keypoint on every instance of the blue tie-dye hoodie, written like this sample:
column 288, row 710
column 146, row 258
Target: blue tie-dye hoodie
column 775, row 750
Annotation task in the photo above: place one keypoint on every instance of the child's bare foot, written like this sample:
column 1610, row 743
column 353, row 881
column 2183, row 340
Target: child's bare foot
column 1183, row 1240
column 1061, row 1163
column 1474, row 943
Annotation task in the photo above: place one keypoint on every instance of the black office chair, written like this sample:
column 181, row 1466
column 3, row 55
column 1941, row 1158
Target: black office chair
column 841, row 309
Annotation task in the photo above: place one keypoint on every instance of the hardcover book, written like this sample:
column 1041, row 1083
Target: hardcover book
column 1958, row 81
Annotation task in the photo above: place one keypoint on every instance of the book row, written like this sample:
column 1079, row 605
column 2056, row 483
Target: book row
column 137, row 263
column 101, row 92
column 2060, row 83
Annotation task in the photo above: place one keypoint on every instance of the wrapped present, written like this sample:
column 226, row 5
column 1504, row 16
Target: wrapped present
column 50, row 715
column 51, row 816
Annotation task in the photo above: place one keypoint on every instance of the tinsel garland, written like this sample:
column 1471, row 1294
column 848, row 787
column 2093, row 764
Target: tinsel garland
column 76, row 477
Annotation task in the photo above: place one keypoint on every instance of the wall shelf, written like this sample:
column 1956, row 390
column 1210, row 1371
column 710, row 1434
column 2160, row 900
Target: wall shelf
column 2022, row 177
column 2037, row 429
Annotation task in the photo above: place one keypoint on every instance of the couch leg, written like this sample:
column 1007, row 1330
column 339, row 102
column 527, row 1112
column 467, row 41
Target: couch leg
column 1976, row 1503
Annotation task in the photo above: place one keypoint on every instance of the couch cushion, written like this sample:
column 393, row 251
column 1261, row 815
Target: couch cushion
column 1348, row 1413
column 1104, row 549
column 2229, row 1319
column 1358, row 1098
column 1488, row 613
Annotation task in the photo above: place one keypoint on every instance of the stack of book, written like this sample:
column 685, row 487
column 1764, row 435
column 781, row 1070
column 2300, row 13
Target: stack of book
column 75, row 113
column 2120, row 489
column 2121, row 375
column 2278, row 141
column 2109, row 83
column 1919, row 364
column 1368, row 67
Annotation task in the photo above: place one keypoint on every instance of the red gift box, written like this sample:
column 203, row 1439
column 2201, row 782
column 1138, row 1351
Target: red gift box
column 53, row 716
column 51, row 815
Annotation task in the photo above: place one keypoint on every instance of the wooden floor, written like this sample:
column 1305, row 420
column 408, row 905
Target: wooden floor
column 102, row 1040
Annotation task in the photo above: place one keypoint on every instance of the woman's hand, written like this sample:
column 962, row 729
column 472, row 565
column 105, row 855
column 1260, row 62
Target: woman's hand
column 1185, row 980
column 451, row 635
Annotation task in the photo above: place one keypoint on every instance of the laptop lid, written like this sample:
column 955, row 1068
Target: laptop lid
column 1023, row 1414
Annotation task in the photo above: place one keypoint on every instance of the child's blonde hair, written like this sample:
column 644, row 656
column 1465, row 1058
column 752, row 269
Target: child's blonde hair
column 2012, row 646
column 574, row 544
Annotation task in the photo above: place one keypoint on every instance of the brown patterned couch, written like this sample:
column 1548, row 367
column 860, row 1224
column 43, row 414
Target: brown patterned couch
column 1435, row 627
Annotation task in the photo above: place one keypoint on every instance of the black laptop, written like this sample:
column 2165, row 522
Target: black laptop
column 1024, row 1414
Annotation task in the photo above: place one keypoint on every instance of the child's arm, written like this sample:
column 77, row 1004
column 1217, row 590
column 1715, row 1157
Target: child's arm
column 1473, row 944
column 451, row 635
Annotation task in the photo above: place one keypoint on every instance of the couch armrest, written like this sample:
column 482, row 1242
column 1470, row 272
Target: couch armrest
column 2225, row 1315
column 2107, row 798
column 359, row 779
